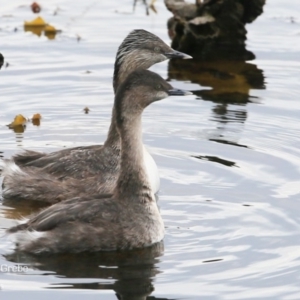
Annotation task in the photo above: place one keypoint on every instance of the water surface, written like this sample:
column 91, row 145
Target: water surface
column 228, row 155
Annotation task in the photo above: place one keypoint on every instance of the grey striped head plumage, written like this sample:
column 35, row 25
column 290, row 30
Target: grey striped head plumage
column 142, row 40
column 141, row 49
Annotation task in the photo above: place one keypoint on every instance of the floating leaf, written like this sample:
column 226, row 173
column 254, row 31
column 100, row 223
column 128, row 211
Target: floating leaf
column 36, row 119
column 35, row 7
column 38, row 25
column 34, row 29
column 50, row 32
column 19, row 120
column 36, row 22
column 50, row 28
column 19, row 128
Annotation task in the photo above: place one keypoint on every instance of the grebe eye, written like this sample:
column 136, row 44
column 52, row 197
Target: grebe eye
column 156, row 49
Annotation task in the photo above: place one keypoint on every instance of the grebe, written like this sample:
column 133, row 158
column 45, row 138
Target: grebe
column 127, row 219
column 39, row 176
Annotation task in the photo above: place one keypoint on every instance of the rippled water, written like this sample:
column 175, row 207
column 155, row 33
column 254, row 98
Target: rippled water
column 229, row 157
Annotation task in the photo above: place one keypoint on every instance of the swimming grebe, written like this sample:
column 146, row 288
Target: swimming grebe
column 130, row 217
column 56, row 172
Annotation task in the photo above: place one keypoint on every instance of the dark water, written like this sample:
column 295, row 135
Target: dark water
column 228, row 156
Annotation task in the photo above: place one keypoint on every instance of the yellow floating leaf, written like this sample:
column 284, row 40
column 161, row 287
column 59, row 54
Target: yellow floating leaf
column 19, row 128
column 19, row 120
column 34, row 29
column 50, row 32
column 50, row 28
column 36, row 22
column 38, row 25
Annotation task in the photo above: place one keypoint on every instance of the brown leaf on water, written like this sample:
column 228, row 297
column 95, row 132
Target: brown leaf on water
column 36, row 119
column 50, row 32
column 86, row 110
column 18, row 120
column 18, row 124
column 35, row 23
column 36, row 122
column 38, row 25
column 35, row 26
column 50, row 28
column 34, row 29
column 19, row 128
column 35, row 7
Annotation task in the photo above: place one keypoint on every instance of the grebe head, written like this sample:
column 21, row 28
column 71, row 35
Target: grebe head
column 141, row 88
column 141, row 49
